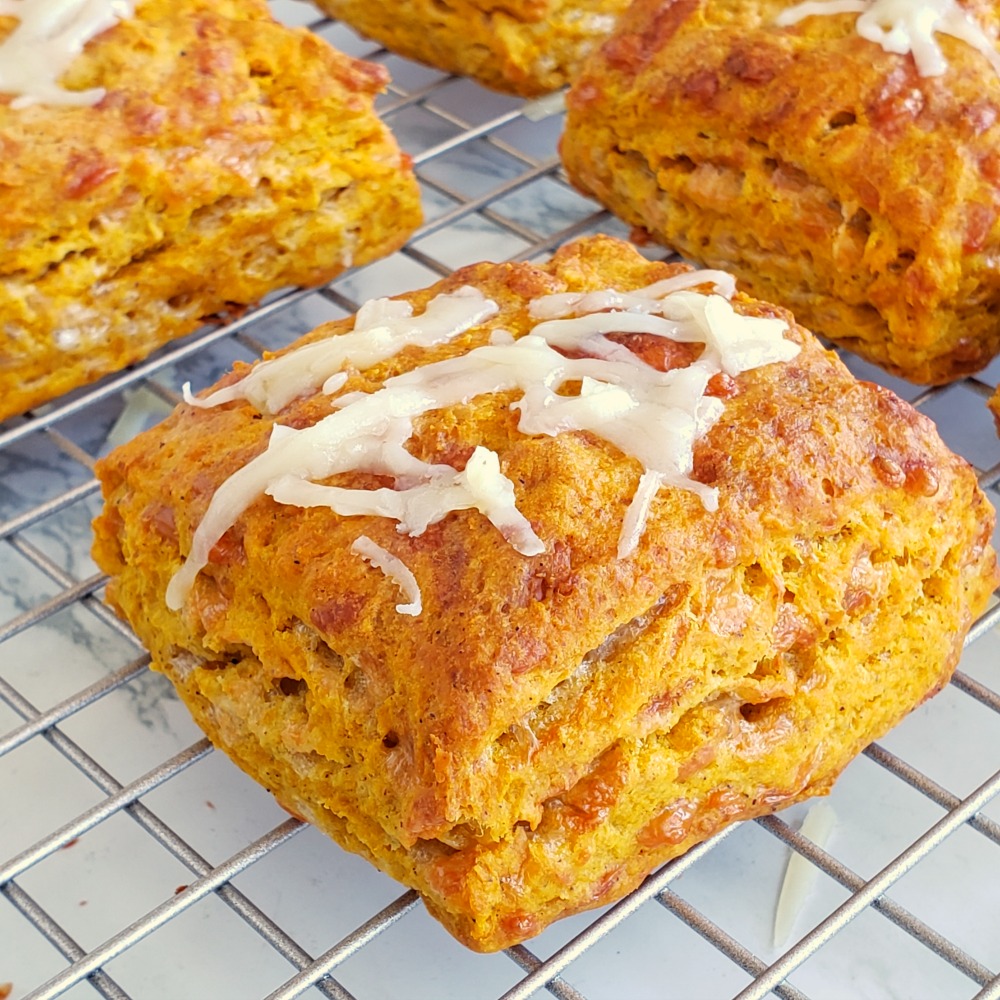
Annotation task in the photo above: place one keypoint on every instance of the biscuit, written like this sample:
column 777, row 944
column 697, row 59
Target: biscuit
column 228, row 156
column 562, row 572
column 524, row 47
column 828, row 175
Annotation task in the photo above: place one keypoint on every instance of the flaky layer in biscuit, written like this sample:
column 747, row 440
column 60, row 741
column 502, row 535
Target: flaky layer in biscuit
column 547, row 708
column 229, row 156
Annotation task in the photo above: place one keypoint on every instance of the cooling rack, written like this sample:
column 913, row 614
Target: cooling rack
column 136, row 862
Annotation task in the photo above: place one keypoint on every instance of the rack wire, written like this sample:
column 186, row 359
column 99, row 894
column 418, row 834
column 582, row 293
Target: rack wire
column 136, row 862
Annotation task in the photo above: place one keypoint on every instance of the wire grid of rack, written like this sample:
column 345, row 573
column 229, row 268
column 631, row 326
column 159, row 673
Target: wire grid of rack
column 135, row 861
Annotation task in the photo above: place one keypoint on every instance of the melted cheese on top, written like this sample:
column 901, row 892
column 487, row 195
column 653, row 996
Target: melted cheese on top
column 49, row 36
column 382, row 328
column 905, row 26
column 394, row 568
column 568, row 375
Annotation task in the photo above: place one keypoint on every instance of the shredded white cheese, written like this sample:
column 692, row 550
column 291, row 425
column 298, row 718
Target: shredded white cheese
column 394, row 568
column 382, row 328
column 645, row 300
column 638, row 510
column 545, row 107
column 49, row 36
column 801, row 872
column 143, row 408
column 905, row 26
column 652, row 416
column 480, row 486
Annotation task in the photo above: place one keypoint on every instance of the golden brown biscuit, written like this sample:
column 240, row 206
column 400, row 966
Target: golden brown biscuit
column 229, row 156
column 525, row 47
column 546, row 709
column 828, row 175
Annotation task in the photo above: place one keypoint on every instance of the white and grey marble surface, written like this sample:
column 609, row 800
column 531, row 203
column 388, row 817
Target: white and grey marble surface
column 57, row 640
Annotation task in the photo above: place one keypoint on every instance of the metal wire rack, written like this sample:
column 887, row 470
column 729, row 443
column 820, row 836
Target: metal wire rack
column 137, row 862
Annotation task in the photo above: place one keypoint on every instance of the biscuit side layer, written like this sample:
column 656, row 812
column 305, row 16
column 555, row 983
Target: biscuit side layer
column 643, row 800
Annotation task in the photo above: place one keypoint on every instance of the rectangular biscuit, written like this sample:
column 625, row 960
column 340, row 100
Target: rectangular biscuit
column 855, row 186
column 621, row 556
column 222, row 156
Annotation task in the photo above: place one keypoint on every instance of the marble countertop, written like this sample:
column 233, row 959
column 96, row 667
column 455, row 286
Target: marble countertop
column 127, row 843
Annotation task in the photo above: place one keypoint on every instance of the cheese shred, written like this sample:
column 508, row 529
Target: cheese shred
column 394, row 568
column 49, row 35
